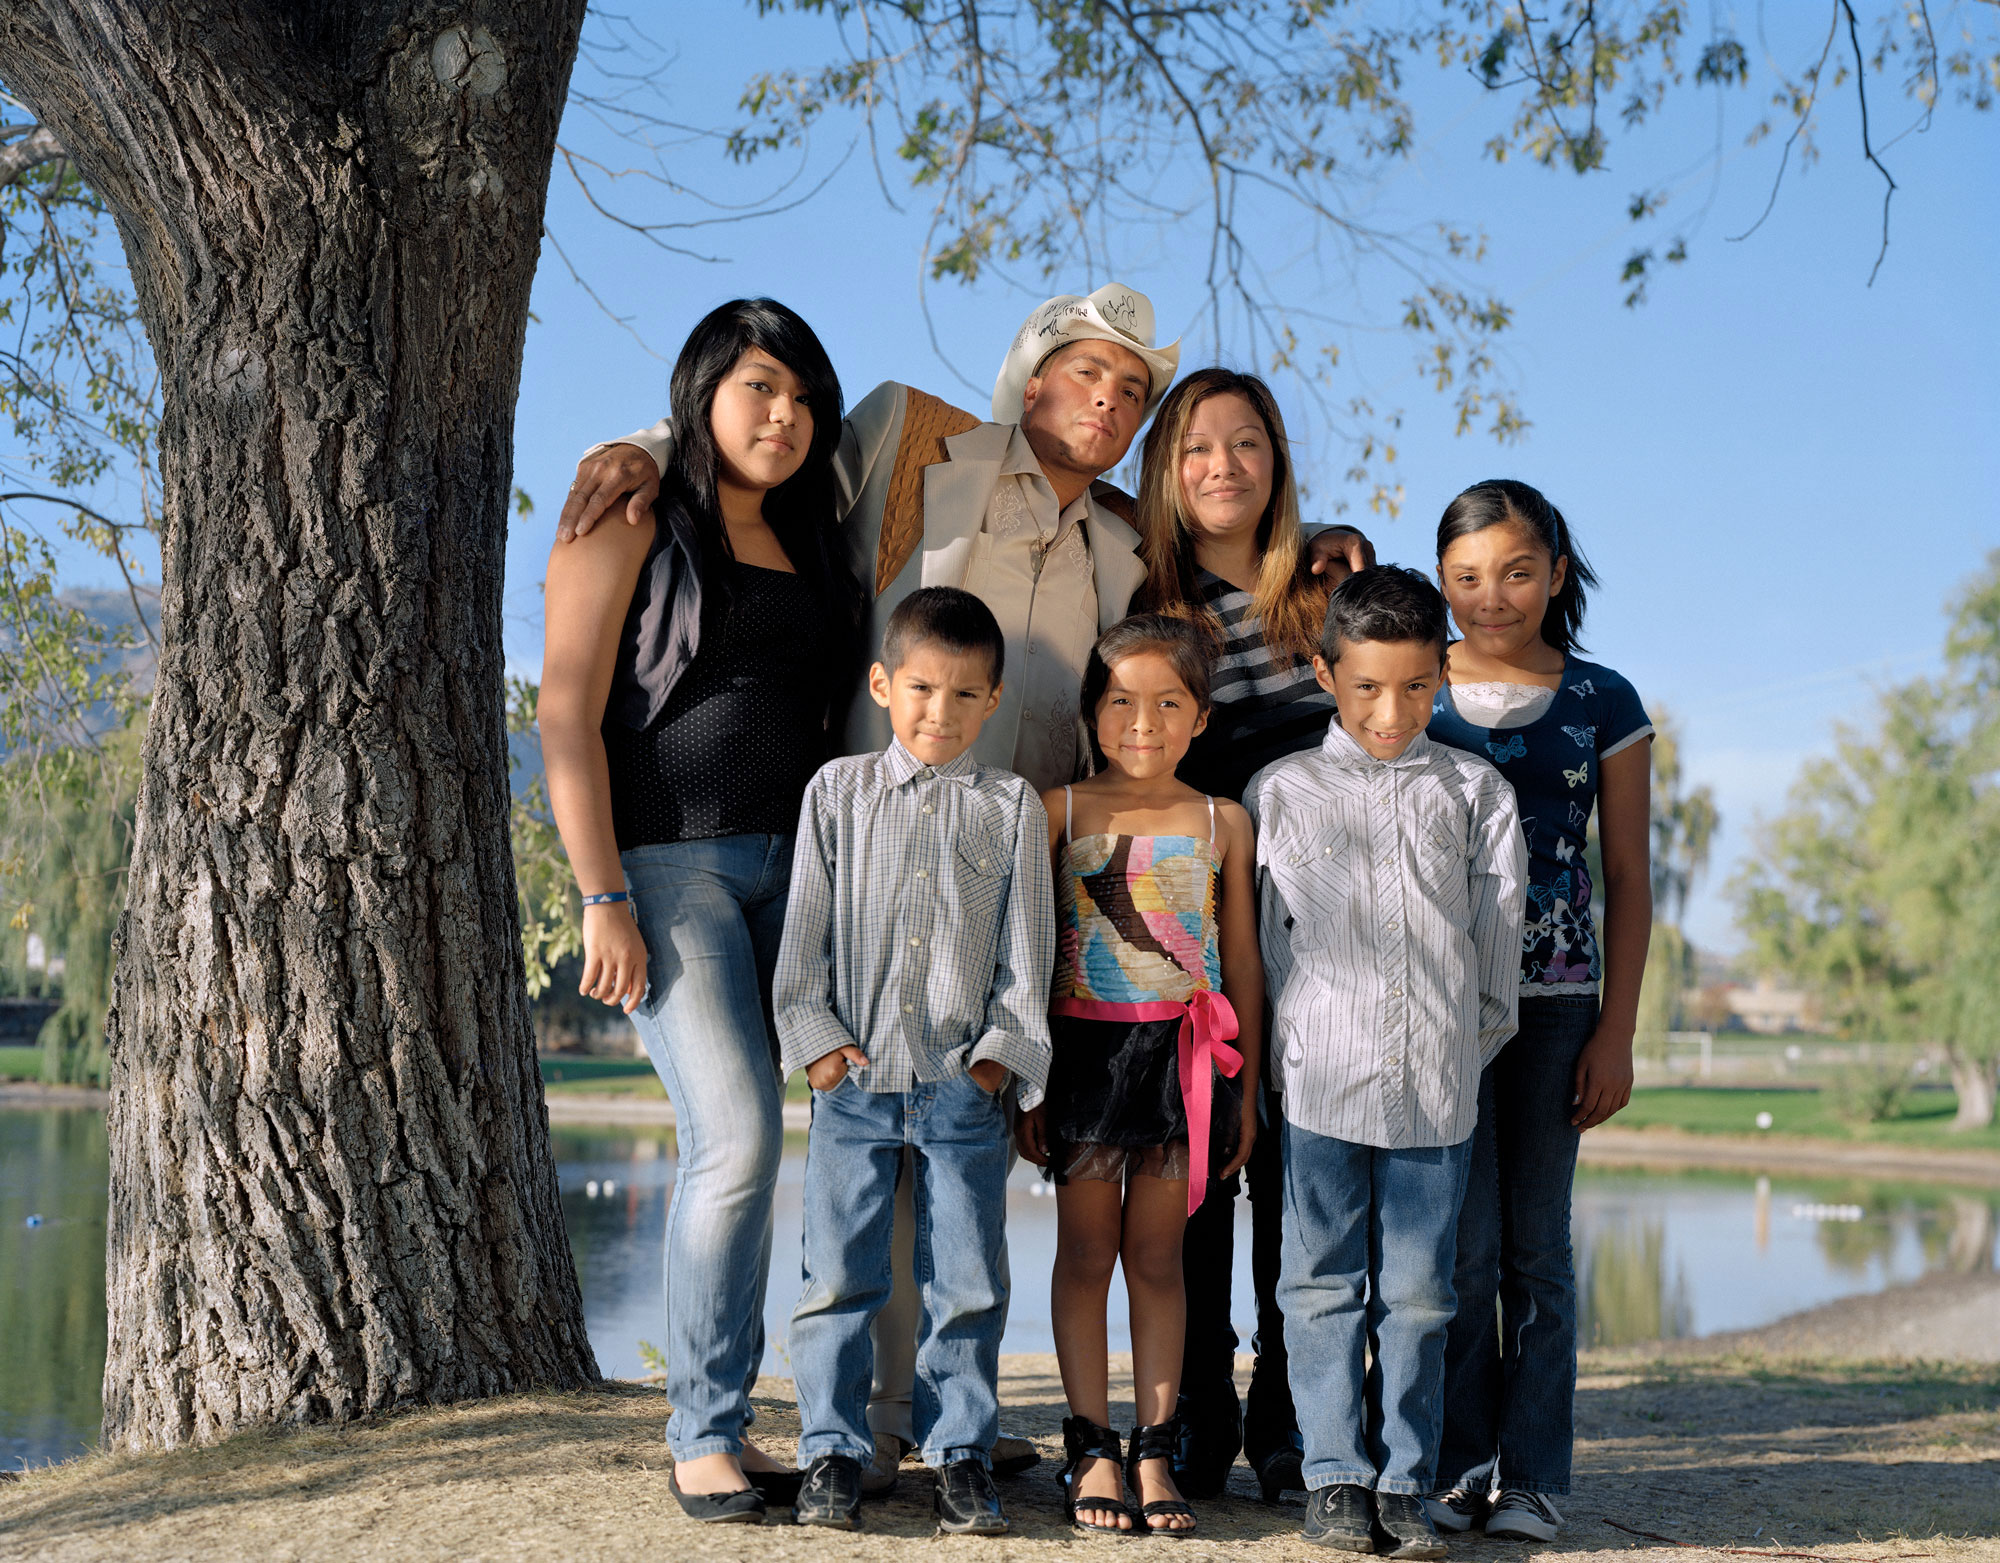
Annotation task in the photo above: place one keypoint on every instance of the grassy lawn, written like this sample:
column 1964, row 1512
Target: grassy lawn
column 566, row 1074
column 20, row 1063
column 1926, row 1117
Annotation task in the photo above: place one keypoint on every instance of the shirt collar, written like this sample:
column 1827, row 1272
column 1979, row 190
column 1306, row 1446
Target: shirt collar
column 1340, row 747
column 1020, row 461
column 904, row 766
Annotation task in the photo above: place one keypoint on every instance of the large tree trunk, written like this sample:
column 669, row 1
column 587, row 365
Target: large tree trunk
column 331, row 1182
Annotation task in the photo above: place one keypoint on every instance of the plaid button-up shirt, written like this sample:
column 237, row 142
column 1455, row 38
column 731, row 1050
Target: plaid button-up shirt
column 1390, row 908
column 921, row 926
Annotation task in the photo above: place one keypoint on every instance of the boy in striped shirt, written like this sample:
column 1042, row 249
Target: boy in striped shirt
column 1390, row 873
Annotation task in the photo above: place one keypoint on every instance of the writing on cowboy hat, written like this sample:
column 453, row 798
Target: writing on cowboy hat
column 1114, row 313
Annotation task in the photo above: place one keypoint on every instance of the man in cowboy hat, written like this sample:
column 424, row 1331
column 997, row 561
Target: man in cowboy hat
column 1014, row 511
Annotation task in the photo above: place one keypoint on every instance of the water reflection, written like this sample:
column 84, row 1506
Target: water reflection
column 1668, row 1256
column 1628, row 1292
column 52, row 1174
column 1658, row 1255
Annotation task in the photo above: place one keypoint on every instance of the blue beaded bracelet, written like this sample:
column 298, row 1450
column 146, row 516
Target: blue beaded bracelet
column 608, row 897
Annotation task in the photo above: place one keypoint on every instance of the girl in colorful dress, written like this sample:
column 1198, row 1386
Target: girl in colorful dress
column 1157, row 973
column 1573, row 738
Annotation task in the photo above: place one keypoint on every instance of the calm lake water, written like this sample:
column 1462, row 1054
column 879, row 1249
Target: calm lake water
column 1658, row 1255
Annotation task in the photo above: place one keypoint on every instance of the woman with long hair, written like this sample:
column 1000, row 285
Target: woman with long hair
column 690, row 665
column 1225, row 548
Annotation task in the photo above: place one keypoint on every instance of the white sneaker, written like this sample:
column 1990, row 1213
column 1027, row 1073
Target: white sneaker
column 1526, row 1516
column 1457, row 1510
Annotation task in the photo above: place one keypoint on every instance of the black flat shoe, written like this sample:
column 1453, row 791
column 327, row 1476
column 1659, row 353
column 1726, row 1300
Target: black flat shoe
column 1279, row 1472
column 1211, row 1432
column 1341, row 1517
column 779, row 1489
column 830, row 1493
column 745, row 1506
column 1156, row 1442
column 966, row 1501
column 1084, row 1440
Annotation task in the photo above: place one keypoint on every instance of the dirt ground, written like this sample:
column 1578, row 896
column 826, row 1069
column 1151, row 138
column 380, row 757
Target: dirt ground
column 1786, row 1457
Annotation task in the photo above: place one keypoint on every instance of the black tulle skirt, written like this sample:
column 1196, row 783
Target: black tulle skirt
column 1117, row 1083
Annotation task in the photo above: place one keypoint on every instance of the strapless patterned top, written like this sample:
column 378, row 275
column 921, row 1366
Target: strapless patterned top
column 1136, row 916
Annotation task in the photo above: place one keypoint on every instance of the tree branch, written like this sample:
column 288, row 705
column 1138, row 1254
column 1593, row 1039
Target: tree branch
column 37, row 147
column 1867, row 149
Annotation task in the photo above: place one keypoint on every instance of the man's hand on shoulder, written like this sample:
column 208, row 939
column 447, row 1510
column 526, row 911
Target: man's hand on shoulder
column 1338, row 552
column 602, row 478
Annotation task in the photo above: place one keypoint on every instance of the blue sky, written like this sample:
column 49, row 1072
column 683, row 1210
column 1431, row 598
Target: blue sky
column 1779, row 472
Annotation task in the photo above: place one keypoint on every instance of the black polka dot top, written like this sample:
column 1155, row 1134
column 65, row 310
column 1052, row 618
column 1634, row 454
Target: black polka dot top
column 744, row 729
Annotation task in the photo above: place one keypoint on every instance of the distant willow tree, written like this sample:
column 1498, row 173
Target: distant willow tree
column 1684, row 824
column 332, row 1189
column 1879, row 886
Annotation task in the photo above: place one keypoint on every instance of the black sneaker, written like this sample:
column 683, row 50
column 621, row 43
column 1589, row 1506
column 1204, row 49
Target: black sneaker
column 966, row 1501
column 1460, row 1509
column 1523, row 1516
column 1340, row 1517
column 1405, row 1527
column 830, row 1495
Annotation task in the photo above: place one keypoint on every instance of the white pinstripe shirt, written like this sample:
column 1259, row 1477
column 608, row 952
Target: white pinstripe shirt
column 921, row 926
column 1390, row 906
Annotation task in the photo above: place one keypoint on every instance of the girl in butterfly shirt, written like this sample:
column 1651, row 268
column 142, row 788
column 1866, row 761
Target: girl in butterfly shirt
column 1572, row 737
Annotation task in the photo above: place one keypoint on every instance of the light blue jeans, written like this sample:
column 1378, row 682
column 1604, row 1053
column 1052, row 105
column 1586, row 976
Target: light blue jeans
column 958, row 1187
column 712, row 913
column 1369, row 1240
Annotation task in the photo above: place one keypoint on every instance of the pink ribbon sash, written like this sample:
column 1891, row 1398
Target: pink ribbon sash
column 1208, row 1025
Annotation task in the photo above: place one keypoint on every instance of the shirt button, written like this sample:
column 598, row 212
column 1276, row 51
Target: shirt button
column 1394, row 993
column 928, row 809
column 1392, row 925
column 909, row 1009
column 924, row 873
column 1392, row 1060
column 1326, row 852
column 914, row 942
column 982, row 862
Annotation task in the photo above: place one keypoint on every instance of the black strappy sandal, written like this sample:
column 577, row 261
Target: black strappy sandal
column 1155, row 1443
column 1083, row 1439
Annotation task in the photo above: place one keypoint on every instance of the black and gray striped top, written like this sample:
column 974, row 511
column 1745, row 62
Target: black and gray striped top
column 1266, row 705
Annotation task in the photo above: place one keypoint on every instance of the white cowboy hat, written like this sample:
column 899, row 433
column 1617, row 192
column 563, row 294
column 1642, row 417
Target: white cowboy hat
column 1114, row 313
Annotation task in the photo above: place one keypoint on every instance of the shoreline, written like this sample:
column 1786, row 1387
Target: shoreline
column 1664, row 1149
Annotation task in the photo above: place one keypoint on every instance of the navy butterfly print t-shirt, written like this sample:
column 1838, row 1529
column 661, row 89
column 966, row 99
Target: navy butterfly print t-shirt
column 1553, row 763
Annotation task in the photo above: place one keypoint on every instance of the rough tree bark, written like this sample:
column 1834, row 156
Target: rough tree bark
column 331, row 1183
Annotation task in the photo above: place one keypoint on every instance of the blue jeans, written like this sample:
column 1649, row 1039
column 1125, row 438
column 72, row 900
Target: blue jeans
column 1510, row 1390
column 960, row 1138
column 711, row 913
column 1369, row 1235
